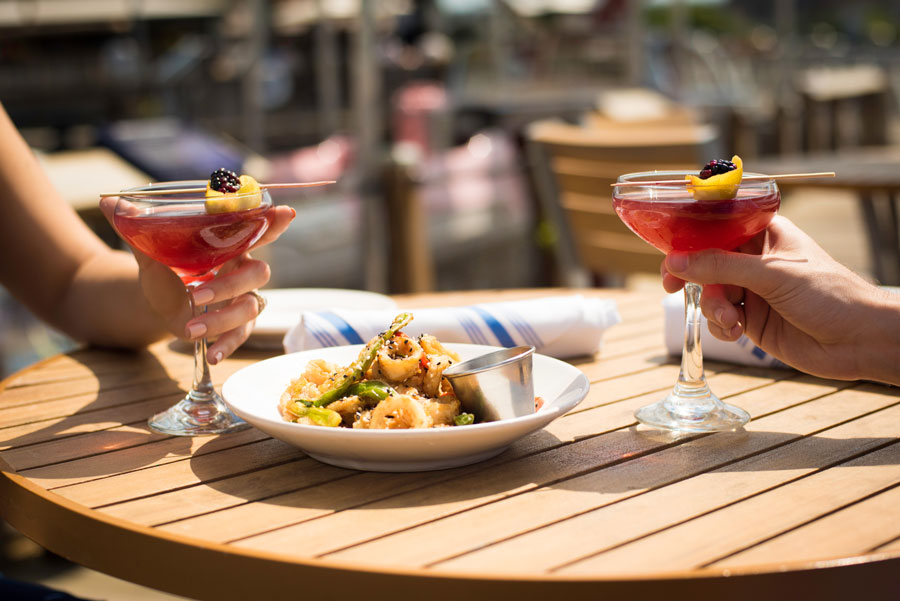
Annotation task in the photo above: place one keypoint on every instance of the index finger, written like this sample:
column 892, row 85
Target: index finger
column 670, row 282
column 281, row 219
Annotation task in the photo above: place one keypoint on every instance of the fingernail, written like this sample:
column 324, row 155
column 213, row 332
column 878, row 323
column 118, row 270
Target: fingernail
column 216, row 358
column 720, row 316
column 203, row 296
column 736, row 330
column 294, row 211
column 677, row 262
column 196, row 330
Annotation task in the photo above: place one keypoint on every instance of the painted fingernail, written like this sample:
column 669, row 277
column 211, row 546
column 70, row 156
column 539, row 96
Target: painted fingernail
column 196, row 330
column 203, row 296
column 294, row 211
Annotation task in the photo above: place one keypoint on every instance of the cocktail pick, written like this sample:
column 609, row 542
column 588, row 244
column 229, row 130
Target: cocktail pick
column 666, row 182
column 199, row 190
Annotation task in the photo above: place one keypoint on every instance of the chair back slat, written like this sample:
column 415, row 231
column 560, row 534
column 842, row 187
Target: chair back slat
column 574, row 167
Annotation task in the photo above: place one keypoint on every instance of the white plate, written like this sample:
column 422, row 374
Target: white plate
column 284, row 306
column 254, row 391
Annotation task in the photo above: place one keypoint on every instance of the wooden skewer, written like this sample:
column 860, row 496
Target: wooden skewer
column 198, row 190
column 745, row 178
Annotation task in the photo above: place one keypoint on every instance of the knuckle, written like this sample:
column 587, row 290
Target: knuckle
column 250, row 306
column 266, row 271
column 717, row 261
column 259, row 271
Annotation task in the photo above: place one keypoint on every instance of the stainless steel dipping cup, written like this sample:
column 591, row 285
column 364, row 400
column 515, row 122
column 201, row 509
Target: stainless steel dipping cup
column 495, row 386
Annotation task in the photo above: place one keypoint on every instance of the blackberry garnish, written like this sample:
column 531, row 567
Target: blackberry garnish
column 223, row 180
column 716, row 167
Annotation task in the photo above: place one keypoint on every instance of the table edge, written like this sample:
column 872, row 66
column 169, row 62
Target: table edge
column 39, row 514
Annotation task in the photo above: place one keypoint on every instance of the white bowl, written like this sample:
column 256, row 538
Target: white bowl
column 254, row 391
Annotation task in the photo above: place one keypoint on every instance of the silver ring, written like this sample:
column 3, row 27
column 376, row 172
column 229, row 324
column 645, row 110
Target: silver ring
column 260, row 301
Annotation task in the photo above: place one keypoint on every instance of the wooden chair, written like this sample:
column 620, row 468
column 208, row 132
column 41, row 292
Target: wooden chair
column 573, row 167
column 844, row 107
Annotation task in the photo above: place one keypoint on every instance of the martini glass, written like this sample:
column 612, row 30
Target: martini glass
column 668, row 217
column 194, row 239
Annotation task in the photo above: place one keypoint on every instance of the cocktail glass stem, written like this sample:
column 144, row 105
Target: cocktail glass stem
column 202, row 410
column 691, row 406
column 202, row 387
column 691, row 380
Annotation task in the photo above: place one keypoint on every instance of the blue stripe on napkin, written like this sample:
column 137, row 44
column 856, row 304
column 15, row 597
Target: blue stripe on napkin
column 496, row 327
column 316, row 334
column 525, row 329
column 322, row 335
column 472, row 330
column 344, row 328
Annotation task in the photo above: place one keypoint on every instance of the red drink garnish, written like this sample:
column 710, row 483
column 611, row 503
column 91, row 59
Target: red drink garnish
column 690, row 225
column 194, row 245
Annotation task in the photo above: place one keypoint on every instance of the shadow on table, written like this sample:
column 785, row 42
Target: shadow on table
column 130, row 386
column 615, row 462
column 681, row 456
column 316, row 485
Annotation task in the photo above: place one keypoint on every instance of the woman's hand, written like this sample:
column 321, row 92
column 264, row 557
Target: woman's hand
column 795, row 302
column 232, row 307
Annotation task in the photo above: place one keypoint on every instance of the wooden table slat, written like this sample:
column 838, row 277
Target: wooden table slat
column 660, row 507
column 596, row 489
column 712, row 536
column 582, row 455
column 831, row 536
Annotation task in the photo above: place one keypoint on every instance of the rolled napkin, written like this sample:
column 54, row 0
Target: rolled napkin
column 742, row 350
column 559, row 326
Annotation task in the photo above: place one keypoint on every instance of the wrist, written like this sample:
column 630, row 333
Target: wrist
column 880, row 352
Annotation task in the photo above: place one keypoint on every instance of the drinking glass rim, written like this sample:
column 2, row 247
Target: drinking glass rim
column 679, row 174
column 182, row 197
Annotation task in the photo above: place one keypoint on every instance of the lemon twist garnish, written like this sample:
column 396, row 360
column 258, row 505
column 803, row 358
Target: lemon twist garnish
column 723, row 186
column 248, row 196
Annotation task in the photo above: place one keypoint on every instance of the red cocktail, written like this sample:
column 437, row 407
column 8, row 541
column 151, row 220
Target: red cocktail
column 194, row 234
column 680, row 223
column 193, row 244
column 677, row 217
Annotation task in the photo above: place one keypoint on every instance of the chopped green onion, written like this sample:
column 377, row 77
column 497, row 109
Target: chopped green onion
column 317, row 415
column 464, row 419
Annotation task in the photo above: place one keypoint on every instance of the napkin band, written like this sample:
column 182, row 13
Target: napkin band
column 743, row 350
column 564, row 326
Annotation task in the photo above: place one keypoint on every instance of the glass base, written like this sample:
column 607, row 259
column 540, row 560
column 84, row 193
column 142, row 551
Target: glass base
column 193, row 416
column 699, row 411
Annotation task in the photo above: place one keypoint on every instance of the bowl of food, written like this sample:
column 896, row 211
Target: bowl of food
column 384, row 406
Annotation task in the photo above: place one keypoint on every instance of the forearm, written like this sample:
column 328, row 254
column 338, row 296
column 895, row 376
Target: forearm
column 104, row 304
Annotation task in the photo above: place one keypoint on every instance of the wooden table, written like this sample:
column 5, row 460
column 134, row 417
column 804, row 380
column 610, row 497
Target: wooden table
column 803, row 504
column 873, row 174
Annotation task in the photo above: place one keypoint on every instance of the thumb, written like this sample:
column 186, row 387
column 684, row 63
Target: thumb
column 721, row 267
column 108, row 206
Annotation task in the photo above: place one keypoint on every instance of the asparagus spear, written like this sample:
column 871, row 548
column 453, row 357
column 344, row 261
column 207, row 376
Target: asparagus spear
column 357, row 370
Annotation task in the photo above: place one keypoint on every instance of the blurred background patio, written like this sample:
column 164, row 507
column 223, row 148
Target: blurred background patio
column 472, row 140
